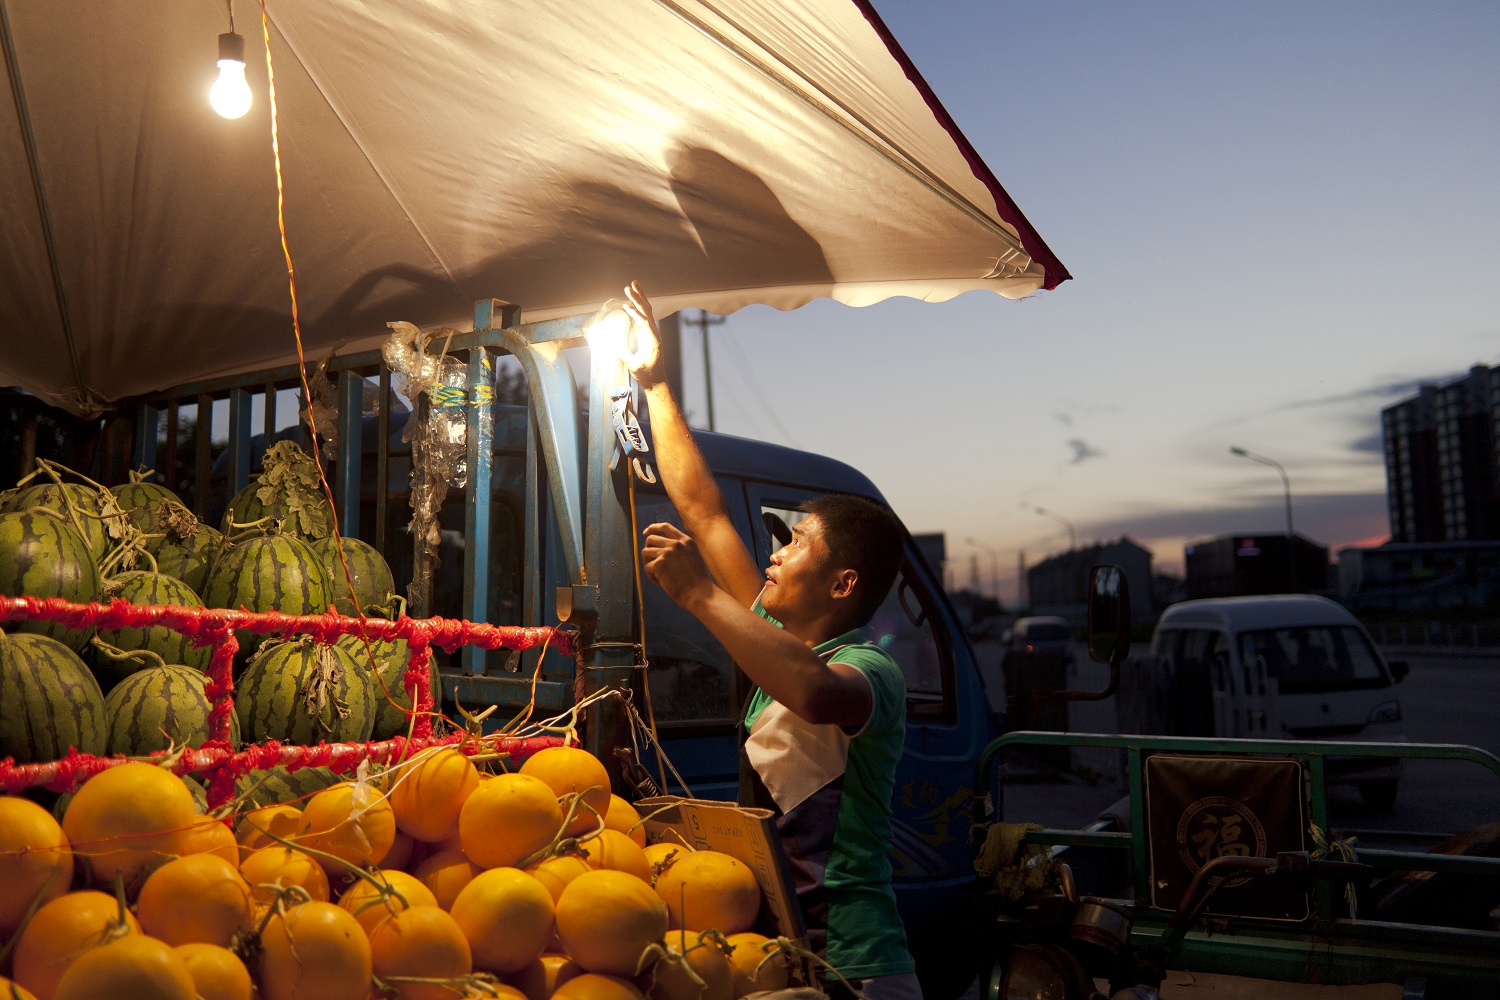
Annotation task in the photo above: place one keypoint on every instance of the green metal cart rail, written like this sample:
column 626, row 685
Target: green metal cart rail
column 1327, row 947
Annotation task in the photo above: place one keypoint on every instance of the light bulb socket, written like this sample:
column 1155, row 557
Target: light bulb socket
column 232, row 46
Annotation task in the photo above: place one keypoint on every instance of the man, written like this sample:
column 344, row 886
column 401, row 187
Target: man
column 827, row 720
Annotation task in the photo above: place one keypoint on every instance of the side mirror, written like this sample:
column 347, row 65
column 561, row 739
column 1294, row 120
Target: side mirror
column 1109, row 615
column 1399, row 670
column 776, row 527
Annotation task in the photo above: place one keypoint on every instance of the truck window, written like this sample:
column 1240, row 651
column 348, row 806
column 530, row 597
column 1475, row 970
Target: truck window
column 914, row 647
column 691, row 675
column 1315, row 658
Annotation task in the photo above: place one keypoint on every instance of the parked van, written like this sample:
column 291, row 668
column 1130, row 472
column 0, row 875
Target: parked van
column 1283, row 667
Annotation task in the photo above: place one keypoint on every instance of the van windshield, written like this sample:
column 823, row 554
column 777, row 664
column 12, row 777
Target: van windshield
column 1315, row 657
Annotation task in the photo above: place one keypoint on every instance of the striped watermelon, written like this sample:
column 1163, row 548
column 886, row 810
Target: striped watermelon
column 145, row 587
column 156, row 510
column 390, row 665
column 84, row 500
column 373, row 583
column 40, row 556
column 199, row 792
column 276, row 785
column 303, row 692
column 267, row 573
column 138, row 499
column 246, row 506
column 49, row 702
column 155, row 707
column 189, row 559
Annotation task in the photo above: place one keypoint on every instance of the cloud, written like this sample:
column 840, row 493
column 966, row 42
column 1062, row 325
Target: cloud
column 1082, row 451
column 1063, row 418
column 1374, row 442
column 1388, row 389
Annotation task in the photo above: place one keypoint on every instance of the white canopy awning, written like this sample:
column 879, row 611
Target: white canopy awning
column 724, row 152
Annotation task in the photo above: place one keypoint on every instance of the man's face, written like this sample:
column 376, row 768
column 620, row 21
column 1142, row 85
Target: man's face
column 802, row 577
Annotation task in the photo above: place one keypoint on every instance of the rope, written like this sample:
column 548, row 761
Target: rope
column 1339, row 850
column 632, row 470
column 216, row 626
column 223, row 765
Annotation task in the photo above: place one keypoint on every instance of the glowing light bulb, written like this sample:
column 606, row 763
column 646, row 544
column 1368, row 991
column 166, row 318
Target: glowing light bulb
column 230, row 94
column 610, row 334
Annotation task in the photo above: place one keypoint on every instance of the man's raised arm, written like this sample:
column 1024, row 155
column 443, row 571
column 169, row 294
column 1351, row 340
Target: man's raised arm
column 688, row 480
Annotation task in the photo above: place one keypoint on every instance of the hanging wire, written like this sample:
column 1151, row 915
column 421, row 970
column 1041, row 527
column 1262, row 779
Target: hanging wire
column 291, row 274
column 230, row 5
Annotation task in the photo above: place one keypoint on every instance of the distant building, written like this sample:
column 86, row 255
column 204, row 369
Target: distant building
column 1442, row 461
column 1167, row 589
column 1059, row 585
column 1429, row 576
column 934, row 548
column 1241, row 565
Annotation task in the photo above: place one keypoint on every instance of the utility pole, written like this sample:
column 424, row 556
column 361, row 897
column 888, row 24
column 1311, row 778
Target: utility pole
column 1023, row 593
column 703, row 323
column 994, row 567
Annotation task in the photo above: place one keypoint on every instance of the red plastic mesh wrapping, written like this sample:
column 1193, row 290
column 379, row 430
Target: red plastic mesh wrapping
column 216, row 627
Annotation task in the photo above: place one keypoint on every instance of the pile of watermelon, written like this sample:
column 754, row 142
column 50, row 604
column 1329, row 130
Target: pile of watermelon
column 138, row 690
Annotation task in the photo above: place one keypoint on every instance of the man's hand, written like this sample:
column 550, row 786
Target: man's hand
column 645, row 361
column 672, row 561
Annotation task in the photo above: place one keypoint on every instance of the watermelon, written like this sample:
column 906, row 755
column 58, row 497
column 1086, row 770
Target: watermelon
column 155, row 707
column 390, row 665
column 199, row 792
column 303, row 692
column 41, row 556
column 373, row 583
column 246, row 507
column 189, row 559
column 277, row 784
column 156, row 510
column 49, row 701
column 267, row 573
column 139, row 499
column 84, row 501
column 145, row 587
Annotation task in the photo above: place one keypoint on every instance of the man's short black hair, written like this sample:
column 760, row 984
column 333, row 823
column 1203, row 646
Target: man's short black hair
column 866, row 537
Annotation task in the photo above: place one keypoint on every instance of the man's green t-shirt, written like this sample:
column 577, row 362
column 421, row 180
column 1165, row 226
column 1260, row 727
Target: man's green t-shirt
column 832, row 791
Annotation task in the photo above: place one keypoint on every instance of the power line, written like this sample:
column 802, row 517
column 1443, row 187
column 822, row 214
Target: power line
column 703, row 323
column 750, row 379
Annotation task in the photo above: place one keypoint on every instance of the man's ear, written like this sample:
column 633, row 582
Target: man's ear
column 844, row 584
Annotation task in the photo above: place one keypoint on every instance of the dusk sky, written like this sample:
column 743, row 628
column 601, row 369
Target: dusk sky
column 1280, row 217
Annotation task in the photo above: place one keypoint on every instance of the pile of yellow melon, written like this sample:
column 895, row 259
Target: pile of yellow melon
column 429, row 881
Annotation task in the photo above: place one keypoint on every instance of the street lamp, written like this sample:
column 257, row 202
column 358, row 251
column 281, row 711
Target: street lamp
column 1079, row 588
column 994, row 564
column 1286, row 485
column 1072, row 534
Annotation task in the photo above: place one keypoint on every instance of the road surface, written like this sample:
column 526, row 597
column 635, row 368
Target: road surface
column 1445, row 699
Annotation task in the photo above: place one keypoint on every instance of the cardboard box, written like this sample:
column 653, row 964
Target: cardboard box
column 747, row 835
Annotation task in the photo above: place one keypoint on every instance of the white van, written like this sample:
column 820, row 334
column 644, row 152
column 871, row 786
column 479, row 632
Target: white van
column 1284, row 667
